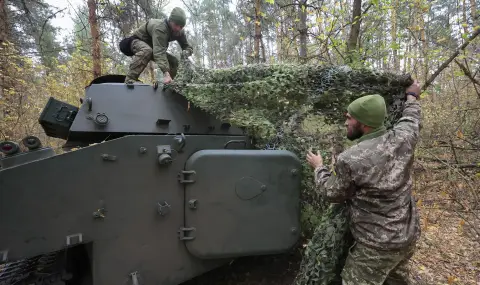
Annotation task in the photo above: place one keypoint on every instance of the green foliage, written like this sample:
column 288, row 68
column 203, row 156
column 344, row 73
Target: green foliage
column 31, row 31
column 27, row 87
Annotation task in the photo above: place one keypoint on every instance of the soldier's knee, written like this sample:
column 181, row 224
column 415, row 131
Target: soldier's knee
column 141, row 49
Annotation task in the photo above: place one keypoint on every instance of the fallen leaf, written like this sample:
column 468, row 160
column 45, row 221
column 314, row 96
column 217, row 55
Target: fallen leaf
column 460, row 134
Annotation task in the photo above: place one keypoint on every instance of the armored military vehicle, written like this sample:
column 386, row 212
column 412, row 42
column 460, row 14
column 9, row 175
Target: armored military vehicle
column 150, row 190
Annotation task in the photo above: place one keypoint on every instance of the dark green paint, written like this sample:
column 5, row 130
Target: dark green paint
column 211, row 199
column 234, row 217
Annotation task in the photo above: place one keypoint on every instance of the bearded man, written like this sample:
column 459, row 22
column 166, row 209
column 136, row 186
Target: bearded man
column 373, row 178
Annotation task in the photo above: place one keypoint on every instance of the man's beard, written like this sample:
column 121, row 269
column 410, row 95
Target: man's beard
column 356, row 133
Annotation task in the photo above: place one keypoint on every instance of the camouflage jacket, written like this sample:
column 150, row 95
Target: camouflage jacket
column 157, row 34
column 373, row 178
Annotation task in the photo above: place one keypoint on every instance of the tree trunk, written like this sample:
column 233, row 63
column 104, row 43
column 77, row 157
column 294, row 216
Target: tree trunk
column 355, row 28
column 96, row 54
column 393, row 33
column 473, row 11
column 285, row 47
column 280, row 39
column 464, row 15
column 407, row 59
column 475, row 21
column 3, row 38
column 302, row 29
column 3, row 22
column 264, row 56
column 423, row 39
column 258, row 32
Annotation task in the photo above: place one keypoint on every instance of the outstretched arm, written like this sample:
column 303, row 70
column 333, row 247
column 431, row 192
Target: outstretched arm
column 409, row 123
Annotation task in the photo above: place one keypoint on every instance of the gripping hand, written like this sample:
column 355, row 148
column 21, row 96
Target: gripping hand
column 413, row 91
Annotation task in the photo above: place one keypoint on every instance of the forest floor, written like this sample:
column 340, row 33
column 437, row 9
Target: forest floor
column 448, row 251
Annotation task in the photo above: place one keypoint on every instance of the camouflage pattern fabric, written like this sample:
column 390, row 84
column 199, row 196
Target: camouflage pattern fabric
column 374, row 177
column 369, row 266
column 325, row 254
column 143, row 55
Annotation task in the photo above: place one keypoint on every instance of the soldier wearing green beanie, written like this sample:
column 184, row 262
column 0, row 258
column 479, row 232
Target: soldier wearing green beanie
column 373, row 179
column 150, row 42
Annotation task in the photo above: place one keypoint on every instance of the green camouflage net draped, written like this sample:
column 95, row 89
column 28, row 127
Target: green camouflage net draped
column 274, row 104
column 327, row 250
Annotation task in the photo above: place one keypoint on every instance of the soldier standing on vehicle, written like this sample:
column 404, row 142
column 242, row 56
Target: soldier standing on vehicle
column 373, row 178
column 150, row 42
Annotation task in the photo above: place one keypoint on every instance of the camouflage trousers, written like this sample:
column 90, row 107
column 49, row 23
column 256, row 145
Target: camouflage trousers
column 369, row 266
column 143, row 54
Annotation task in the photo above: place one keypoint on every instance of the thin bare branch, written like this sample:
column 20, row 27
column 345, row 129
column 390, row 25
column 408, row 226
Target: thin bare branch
column 450, row 59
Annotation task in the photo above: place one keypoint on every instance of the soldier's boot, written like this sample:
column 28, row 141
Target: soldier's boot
column 131, row 81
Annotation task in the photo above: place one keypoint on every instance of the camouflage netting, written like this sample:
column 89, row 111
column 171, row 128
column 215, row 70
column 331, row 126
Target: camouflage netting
column 275, row 103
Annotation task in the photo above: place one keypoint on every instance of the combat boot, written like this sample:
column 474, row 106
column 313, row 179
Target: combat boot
column 130, row 82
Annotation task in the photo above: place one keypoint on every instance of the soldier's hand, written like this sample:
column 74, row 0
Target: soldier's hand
column 314, row 160
column 167, row 78
column 413, row 91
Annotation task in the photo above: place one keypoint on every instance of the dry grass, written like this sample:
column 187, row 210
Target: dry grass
column 449, row 249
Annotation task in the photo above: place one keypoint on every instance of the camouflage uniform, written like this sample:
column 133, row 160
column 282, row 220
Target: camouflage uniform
column 150, row 42
column 373, row 178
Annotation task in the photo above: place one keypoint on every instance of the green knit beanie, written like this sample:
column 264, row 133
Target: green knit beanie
column 178, row 16
column 369, row 110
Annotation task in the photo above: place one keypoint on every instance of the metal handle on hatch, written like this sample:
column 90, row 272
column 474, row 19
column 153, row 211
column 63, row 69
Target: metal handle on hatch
column 235, row 141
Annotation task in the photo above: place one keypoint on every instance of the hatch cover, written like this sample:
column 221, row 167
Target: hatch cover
column 242, row 202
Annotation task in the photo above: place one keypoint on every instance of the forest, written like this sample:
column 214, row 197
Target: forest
column 435, row 41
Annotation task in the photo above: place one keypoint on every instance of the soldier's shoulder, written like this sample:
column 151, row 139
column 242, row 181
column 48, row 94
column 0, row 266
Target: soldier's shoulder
column 360, row 152
column 349, row 155
column 158, row 24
